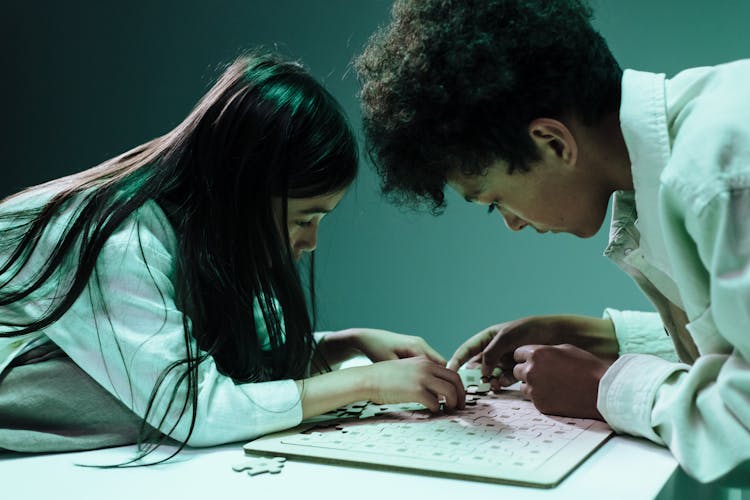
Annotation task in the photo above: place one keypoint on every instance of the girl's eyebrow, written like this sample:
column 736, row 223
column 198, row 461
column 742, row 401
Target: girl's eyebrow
column 315, row 210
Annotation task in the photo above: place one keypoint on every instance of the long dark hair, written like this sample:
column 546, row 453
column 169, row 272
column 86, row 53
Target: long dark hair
column 266, row 129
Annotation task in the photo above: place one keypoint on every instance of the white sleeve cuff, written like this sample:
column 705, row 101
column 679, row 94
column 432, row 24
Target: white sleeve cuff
column 265, row 408
column 628, row 390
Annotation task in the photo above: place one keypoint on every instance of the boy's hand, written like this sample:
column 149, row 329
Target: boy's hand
column 494, row 347
column 560, row 379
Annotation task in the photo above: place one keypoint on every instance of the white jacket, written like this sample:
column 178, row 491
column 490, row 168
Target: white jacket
column 684, row 235
column 148, row 333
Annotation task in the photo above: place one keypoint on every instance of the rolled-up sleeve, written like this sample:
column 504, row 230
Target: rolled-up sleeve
column 642, row 333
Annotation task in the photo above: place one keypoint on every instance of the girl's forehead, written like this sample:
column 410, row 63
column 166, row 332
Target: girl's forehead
column 317, row 204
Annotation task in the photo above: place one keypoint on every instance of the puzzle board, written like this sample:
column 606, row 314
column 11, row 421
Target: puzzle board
column 498, row 437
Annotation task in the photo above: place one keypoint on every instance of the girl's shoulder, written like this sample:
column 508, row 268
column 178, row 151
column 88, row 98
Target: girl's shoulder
column 142, row 249
column 148, row 217
column 146, row 230
column 152, row 227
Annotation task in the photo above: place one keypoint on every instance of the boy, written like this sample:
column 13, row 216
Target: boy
column 521, row 107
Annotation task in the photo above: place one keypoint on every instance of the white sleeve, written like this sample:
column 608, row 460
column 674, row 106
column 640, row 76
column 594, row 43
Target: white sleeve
column 646, row 359
column 642, row 333
column 701, row 412
column 129, row 338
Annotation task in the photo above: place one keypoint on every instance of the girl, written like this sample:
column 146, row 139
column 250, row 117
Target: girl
column 156, row 296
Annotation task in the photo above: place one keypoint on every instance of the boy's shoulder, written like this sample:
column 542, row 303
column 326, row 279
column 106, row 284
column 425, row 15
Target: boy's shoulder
column 708, row 116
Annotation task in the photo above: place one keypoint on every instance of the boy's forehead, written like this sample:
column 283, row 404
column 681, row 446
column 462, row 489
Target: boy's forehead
column 468, row 186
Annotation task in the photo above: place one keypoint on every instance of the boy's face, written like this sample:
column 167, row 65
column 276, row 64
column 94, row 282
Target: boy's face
column 551, row 196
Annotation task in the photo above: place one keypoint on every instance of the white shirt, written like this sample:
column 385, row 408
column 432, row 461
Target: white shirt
column 684, row 235
column 143, row 333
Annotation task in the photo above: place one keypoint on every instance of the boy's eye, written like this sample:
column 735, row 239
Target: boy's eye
column 491, row 208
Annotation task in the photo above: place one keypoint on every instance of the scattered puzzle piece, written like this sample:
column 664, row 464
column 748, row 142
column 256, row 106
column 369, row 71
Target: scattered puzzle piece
column 472, row 380
column 259, row 465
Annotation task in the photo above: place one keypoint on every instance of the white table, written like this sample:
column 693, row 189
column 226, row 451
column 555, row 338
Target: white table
column 623, row 468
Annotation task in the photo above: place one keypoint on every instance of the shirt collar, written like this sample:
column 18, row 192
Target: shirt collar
column 643, row 121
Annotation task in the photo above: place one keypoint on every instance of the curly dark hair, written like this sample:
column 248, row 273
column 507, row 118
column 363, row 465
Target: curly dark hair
column 454, row 84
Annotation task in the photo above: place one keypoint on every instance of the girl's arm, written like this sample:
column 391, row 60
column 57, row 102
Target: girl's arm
column 126, row 330
column 414, row 379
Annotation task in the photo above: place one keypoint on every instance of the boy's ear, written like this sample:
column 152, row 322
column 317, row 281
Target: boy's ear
column 554, row 137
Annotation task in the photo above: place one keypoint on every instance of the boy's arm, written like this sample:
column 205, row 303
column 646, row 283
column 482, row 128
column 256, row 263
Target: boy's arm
column 641, row 333
column 701, row 412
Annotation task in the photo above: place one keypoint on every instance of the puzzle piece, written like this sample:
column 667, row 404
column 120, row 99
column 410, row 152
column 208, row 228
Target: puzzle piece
column 471, row 400
column 259, row 465
column 472, row 380
column 374, row 410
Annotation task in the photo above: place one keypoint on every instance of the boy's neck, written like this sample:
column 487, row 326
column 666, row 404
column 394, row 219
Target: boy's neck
column 607, row 153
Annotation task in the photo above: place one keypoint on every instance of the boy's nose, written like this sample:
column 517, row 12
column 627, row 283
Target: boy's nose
column 512, row 222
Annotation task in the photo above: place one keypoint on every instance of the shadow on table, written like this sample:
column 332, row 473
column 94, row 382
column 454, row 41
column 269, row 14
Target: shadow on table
column 734, row 486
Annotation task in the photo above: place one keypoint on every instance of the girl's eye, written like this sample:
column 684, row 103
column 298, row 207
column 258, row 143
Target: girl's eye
column 304, row 223
column 491, row 208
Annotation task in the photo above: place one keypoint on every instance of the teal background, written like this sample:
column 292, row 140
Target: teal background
column 84, row 81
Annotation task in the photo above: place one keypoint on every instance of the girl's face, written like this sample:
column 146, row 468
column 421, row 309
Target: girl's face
column 303, row 219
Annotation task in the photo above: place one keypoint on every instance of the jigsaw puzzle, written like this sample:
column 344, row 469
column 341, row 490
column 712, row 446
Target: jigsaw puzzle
column 498, row 437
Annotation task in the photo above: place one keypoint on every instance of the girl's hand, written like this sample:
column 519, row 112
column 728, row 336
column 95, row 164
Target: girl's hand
column 377, row 345
column 382, row 345
column 415, row 379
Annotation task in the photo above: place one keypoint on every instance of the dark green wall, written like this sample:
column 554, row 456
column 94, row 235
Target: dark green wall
column 84, row 81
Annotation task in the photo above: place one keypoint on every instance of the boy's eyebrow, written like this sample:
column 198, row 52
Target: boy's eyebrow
column 472, row 196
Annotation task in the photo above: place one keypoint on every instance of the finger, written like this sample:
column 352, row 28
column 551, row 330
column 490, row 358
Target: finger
column 433, row 355
column 429, row 400
column 521, row 371
column 505, row 379
column 454, row 363
column 493, row 371
column 497, row 354
column 523, row 353
column 471, row 347
column 495, row 350
column 526, row 391
column 453, row 385
column 495, row 384
column 475, row 362
column 466, row 351
column 440, row 387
